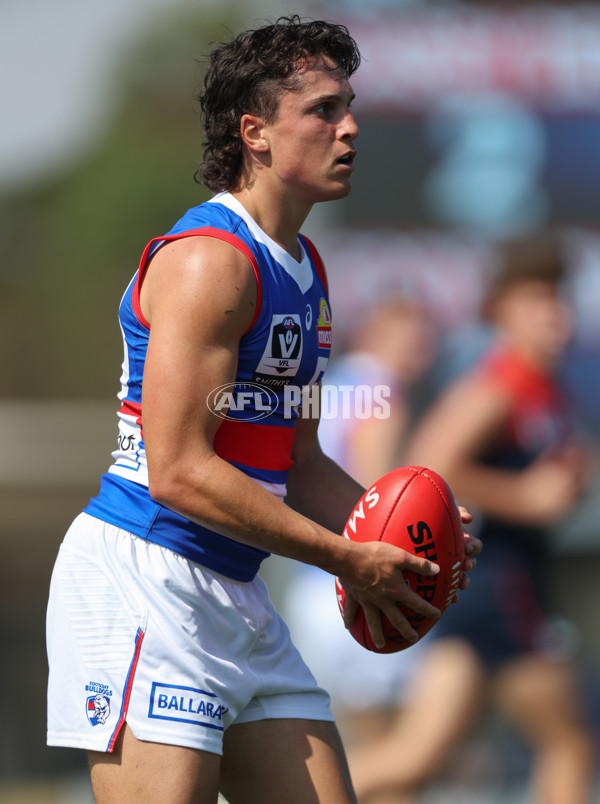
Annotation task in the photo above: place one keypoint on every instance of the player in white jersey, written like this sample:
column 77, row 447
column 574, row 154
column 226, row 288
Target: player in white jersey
column 179, row 678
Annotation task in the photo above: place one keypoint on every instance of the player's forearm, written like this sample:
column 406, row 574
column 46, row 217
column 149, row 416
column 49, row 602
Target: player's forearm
column 221, row 497
column 499, row 493
column 321, row 490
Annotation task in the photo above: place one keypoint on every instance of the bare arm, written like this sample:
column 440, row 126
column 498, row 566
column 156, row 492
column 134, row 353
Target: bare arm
column 455, row 433
column 199, row 297
column 322, row 490
column 376, row 445
column 317, row 486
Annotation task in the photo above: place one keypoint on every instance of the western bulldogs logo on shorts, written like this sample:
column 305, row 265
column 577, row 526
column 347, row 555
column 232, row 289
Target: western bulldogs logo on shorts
column 97, row 706
column 98, row 709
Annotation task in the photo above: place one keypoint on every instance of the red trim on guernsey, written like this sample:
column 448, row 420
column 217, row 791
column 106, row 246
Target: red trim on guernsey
column 129, row 408
column 253, row 444
column 316, row 258
column 127, row 694
column 205, row 231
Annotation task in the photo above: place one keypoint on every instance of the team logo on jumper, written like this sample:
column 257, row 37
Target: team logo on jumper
column 97, row 709
column 308, row 317
column 324, row 326
column 283, row 352
column 187, row 705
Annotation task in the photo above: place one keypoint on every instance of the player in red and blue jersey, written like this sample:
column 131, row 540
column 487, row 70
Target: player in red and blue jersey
column 284, row 348
column 504, row 435
column 167, row 660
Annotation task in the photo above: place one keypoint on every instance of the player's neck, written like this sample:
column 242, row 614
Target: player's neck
column 280, row 218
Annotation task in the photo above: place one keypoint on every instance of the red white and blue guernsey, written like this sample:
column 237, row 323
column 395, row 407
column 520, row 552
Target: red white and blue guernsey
column 287, row 346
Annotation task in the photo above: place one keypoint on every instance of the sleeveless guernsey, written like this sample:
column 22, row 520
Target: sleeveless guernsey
column 285, row 350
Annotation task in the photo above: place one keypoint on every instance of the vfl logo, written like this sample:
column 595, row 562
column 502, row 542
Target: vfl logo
column 251, row 398
column 283, row 351
column 97, row 709
column 286, row 341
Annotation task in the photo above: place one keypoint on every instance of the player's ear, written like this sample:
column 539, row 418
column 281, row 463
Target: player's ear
column 252, row 133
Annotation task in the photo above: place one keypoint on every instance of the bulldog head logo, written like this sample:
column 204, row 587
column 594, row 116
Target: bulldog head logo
column 98, row 709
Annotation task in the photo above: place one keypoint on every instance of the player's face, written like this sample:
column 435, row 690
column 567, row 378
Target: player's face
column 534, row 314
column 311, row 142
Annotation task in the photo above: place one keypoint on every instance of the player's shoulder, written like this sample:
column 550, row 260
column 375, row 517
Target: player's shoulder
column 197, row 273
column 194, row 248
column 512, row 375
column 202, row 256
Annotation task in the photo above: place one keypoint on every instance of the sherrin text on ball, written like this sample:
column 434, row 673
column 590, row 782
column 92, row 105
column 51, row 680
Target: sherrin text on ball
column 413, row 508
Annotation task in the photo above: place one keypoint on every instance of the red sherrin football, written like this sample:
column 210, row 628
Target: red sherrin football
column 413, row 508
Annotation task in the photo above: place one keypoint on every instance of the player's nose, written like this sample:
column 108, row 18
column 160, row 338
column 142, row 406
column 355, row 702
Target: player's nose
column 349, row 127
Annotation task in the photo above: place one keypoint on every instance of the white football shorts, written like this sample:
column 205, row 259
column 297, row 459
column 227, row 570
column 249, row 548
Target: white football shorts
column 138, row 634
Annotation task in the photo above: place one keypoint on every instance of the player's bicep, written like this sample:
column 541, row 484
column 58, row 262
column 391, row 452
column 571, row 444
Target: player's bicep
column 200, row 299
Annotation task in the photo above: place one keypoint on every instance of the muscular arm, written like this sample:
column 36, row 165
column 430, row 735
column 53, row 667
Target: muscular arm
column 317, row 486
column 199, row 296
column 457, row 431
column 322, row 490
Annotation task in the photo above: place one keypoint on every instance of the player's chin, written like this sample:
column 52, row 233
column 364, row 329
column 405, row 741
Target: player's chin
column 339, row 190
column 339, row 183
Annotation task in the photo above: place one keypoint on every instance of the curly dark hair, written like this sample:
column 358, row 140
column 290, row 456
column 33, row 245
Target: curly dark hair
column 247, row 75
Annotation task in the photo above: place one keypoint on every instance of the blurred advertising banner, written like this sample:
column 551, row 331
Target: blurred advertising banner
column 484, row 119
column 547, row 56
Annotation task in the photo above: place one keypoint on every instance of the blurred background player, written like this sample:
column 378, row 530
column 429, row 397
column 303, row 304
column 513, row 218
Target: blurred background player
column 502, row 436
column 392, row 349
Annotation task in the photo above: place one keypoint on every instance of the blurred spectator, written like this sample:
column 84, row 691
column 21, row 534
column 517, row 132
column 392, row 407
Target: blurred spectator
column 502, row 436
column 392, row 350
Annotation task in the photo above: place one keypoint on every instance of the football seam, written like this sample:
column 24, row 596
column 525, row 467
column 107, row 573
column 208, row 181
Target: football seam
column 416, row 471
column 365, row 627
column 449, row 513
column 440, row 492
column 397, row 500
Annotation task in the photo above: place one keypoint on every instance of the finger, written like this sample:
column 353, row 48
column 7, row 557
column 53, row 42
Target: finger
column 469, row 564
column 406, row 597
column 351, row 606
column 465, row 515
column 421, row 566
column 465, row 582
column 374, row 625
column 397, row 620
column 473, row 545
